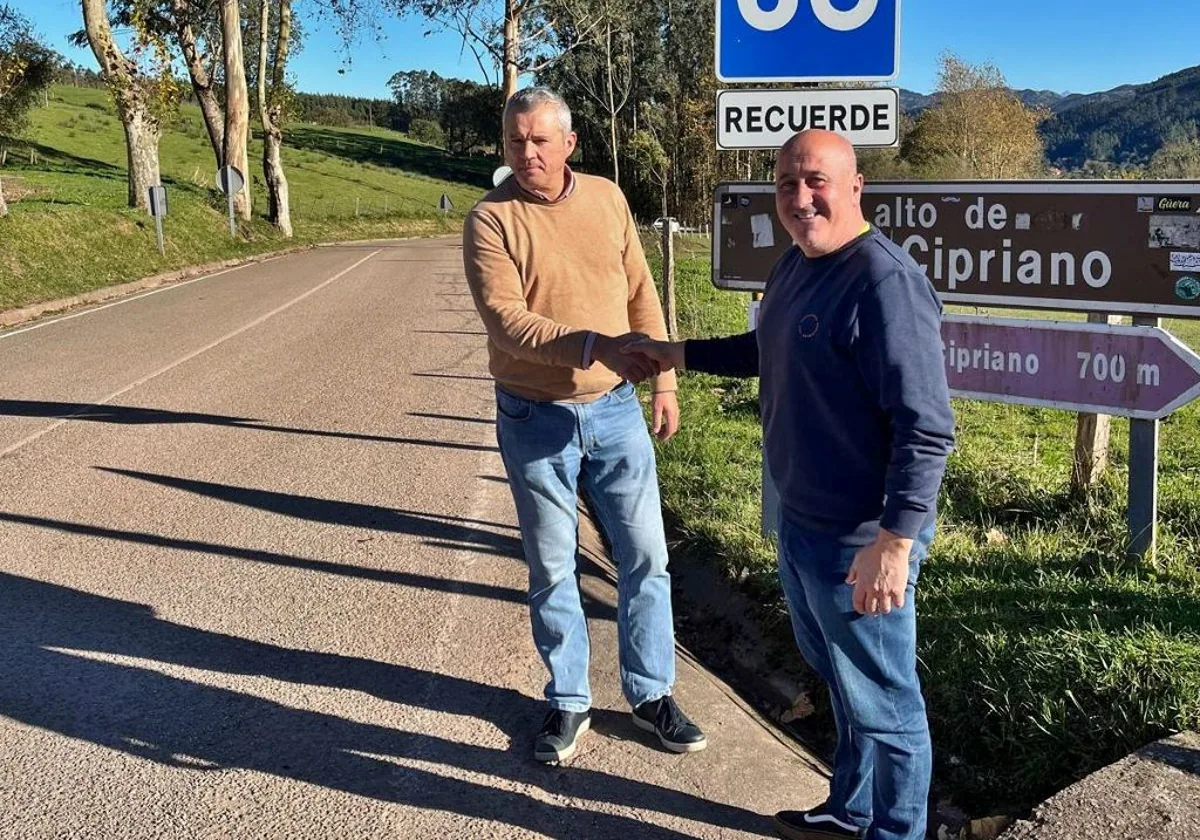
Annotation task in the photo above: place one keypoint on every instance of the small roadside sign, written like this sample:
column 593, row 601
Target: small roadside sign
column 1140, row 372
column 765, row 119
column 230, row 181
column 445, row 203
column 158, row 209
column 158, row 201
column 501, row 175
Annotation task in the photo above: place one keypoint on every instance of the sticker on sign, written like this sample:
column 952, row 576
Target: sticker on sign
column 765, row 119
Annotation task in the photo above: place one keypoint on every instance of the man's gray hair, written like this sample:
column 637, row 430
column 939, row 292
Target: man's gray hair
column 527, row 99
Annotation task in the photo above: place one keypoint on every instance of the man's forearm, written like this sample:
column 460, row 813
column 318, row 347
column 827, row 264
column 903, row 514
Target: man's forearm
column 735, row 355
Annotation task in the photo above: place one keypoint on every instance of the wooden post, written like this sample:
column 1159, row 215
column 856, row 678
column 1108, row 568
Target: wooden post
column 1091, row 437
column 668, row 256
column 1143, row 476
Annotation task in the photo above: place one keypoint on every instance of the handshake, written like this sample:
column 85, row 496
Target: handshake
column 636, row 357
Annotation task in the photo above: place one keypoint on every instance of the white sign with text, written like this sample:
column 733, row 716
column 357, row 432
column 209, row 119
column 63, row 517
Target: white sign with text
column 765, row 119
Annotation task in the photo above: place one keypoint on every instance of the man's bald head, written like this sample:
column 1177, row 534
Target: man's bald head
column 832, row 146
column 818, row 191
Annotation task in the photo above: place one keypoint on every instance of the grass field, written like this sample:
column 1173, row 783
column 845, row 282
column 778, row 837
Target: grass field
column 69, row 229
column 1044, row 652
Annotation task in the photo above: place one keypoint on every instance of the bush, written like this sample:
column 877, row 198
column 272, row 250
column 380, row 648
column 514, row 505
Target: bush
column 427, row 131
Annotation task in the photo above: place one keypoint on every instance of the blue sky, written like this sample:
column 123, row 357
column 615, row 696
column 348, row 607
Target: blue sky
column 1079, row 46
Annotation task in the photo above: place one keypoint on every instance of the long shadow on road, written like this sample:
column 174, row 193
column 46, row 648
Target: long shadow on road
column 594, row 609
column 133, row 415
column 50, row 678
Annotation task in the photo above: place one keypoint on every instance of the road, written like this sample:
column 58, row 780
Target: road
column 260, row 578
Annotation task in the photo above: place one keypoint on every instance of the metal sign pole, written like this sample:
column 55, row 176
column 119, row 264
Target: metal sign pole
column 1143, row 476
column 158, row 227
column 232, row 227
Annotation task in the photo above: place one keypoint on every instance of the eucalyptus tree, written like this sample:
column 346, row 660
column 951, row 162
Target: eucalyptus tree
column 143, row 95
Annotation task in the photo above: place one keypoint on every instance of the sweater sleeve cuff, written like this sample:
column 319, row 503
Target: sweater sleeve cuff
column 904, row 522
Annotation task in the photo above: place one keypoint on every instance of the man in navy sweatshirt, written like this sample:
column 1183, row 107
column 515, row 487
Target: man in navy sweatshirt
column 857, row 427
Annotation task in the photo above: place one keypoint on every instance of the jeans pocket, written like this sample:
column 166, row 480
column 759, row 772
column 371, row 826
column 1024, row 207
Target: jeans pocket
column 623, row 393
column 513, row 408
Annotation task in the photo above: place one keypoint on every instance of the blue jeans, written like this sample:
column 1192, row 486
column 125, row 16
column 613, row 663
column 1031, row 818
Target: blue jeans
column 884, row 758
column 550, row 450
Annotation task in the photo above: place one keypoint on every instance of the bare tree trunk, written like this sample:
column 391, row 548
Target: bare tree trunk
column 202, row 86
column 142, row 130
column 3, row 203
column 612, row 104
column 237, row 103
column 271, row 114
column 512, row 46
column 141, row 142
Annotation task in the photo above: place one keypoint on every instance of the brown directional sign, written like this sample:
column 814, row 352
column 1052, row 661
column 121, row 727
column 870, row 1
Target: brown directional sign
column 1108, row 246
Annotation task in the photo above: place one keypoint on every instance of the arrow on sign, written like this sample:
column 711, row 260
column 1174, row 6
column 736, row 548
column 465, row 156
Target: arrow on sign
column 1139, row 372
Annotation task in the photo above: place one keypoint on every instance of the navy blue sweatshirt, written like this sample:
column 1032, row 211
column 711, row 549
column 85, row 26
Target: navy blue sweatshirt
column 856, row 413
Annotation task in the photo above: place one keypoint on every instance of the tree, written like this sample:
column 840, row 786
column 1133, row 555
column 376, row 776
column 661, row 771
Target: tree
column 604, row 71
column 646, row 149
column 26, row 69
column 195, row 29
column 977, row 129
column 515, row 42
column 1178, row 158
column 200, row 62
column 420, row 92
column 271, row 111
column 141, row 99
column 237, row 102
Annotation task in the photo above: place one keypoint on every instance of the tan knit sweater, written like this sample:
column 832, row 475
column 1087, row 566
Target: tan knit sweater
column 545, row 274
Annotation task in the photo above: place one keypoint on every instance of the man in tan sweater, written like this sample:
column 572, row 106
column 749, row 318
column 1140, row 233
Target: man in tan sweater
column 559, row 278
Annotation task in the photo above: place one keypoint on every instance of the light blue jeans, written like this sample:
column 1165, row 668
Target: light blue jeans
column 550, row 451
column 884, row 759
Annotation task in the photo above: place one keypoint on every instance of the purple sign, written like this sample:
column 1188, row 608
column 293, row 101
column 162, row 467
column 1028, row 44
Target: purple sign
column 1139, row 372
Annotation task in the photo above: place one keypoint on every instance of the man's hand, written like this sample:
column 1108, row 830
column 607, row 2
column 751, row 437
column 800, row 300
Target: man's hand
column 634, row 367
column 879, row 574
column 667, row 354
column 666, row 415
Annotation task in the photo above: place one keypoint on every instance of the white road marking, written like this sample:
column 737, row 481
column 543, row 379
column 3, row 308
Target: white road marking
column 168, row 288
column 256, row 322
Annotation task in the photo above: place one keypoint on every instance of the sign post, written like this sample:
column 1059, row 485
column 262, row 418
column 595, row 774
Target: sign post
column 158, row 209
column 230, row 181
column 1143, row 478
column 445, row 204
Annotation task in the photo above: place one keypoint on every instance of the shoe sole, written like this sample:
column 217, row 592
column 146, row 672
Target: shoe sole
column 790, row 832
column 562, row 755
column 673, row 746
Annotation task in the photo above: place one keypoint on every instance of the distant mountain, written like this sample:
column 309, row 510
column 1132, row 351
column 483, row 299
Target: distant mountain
column 913, row 103
column 1127, row 124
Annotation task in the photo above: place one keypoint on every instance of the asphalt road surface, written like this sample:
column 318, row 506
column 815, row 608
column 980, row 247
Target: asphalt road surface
column 260, row 578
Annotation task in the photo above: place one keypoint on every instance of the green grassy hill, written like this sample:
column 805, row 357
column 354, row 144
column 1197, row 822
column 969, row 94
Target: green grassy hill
column 69, row 228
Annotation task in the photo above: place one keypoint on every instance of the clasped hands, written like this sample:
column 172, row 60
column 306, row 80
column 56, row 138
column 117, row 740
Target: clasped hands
column 636, row 357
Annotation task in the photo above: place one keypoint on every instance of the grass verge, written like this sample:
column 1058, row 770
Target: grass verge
column 69, row 230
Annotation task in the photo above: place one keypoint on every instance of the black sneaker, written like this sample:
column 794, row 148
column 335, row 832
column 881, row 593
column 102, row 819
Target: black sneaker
column 559, row 735
column 665, row 719
column 814, row 824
